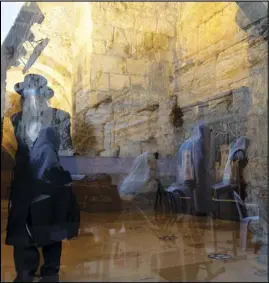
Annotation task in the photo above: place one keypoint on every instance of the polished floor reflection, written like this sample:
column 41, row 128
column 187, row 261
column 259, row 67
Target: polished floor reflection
column 139, row 246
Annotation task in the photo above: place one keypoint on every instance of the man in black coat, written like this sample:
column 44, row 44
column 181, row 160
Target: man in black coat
column 35, row 115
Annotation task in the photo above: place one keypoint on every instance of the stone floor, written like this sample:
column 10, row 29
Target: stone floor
column 139, row 246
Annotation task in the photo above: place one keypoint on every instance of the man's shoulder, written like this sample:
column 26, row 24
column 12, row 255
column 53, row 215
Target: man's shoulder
column 61, row 114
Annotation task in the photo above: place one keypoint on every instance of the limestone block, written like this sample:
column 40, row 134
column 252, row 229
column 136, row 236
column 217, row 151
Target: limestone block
column 186, row 81
column 100, row 115
column 118, row 82
column 160, row 41
column 99, row 47
column 109, row 135
column 82, row 100
column 121, row 125
column 187, row 38
column 119, row 49
column 145, row 24
column 159, row 84
column 160, row 68
column 124, row 35
column 114, row 65
column 120, row 130
column 166, row 28
column 241, row 100
column 97, row 97
column 259, row 89
column 100, row 82
column 130, row 149
column 206, row 72
column 136, row 67
column 232, row 63
column 102, row 32
column 202, row 11
column 165, row 55
column 98, row 13
column 139, row 82
column 139, row 128
column 121, row 19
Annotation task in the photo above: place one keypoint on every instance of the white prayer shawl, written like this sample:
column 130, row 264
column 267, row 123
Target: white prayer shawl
column 138, row 178
column 238, row 144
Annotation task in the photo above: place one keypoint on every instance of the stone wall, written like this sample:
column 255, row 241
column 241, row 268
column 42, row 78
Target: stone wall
column 121, row 68
column 122, row 78
column 132, row 67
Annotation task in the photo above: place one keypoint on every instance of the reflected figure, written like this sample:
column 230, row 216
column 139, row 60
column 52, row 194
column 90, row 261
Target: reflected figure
column 27, row 124
column 36, row 113
column 232, row 178
column 194, row 179
column 44, row 223
column 236, row 163
column 141, row 178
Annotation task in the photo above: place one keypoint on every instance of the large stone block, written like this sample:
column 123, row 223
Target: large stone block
column 118, row 82
column 166, row 55
column 99, row 47
column 232, row 65
column 130, row 149
column 139, row 127
column 82, row 99
column 136, row 67
column 121, row 19
column 100, row 82
column 100, row 115
column 165, row 27
column 187, row 39
column 97, row 97
column 102, row 32
column 119, row 49
column 160, row 41
column 109, row 135
column 159, row 84
column 145, row 23
column 107, row 64
column 124, row 35
column 161, row 68
column 139, row 82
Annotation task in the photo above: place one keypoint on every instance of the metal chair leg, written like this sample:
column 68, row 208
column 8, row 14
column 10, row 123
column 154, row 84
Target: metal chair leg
column 174, row 199
column 156, row 200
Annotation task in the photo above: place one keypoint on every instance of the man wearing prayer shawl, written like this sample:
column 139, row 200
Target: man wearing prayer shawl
column 194, row 178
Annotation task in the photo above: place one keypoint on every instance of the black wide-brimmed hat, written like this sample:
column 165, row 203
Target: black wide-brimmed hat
column 34, row 84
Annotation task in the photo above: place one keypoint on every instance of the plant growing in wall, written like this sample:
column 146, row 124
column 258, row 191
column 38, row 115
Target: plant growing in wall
column 83, row 137
column 176, row 116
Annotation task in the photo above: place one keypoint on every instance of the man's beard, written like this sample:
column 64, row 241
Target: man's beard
column 35, row 115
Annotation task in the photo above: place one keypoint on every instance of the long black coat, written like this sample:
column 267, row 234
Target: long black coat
column 50, row 220
column 24, row 191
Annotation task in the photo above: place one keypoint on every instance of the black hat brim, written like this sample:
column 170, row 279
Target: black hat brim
column 47, row 92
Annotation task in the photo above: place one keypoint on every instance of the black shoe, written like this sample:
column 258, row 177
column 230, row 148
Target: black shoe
column 50, row 278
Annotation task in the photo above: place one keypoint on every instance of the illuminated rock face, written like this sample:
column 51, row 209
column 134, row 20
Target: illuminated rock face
column 120, row 68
